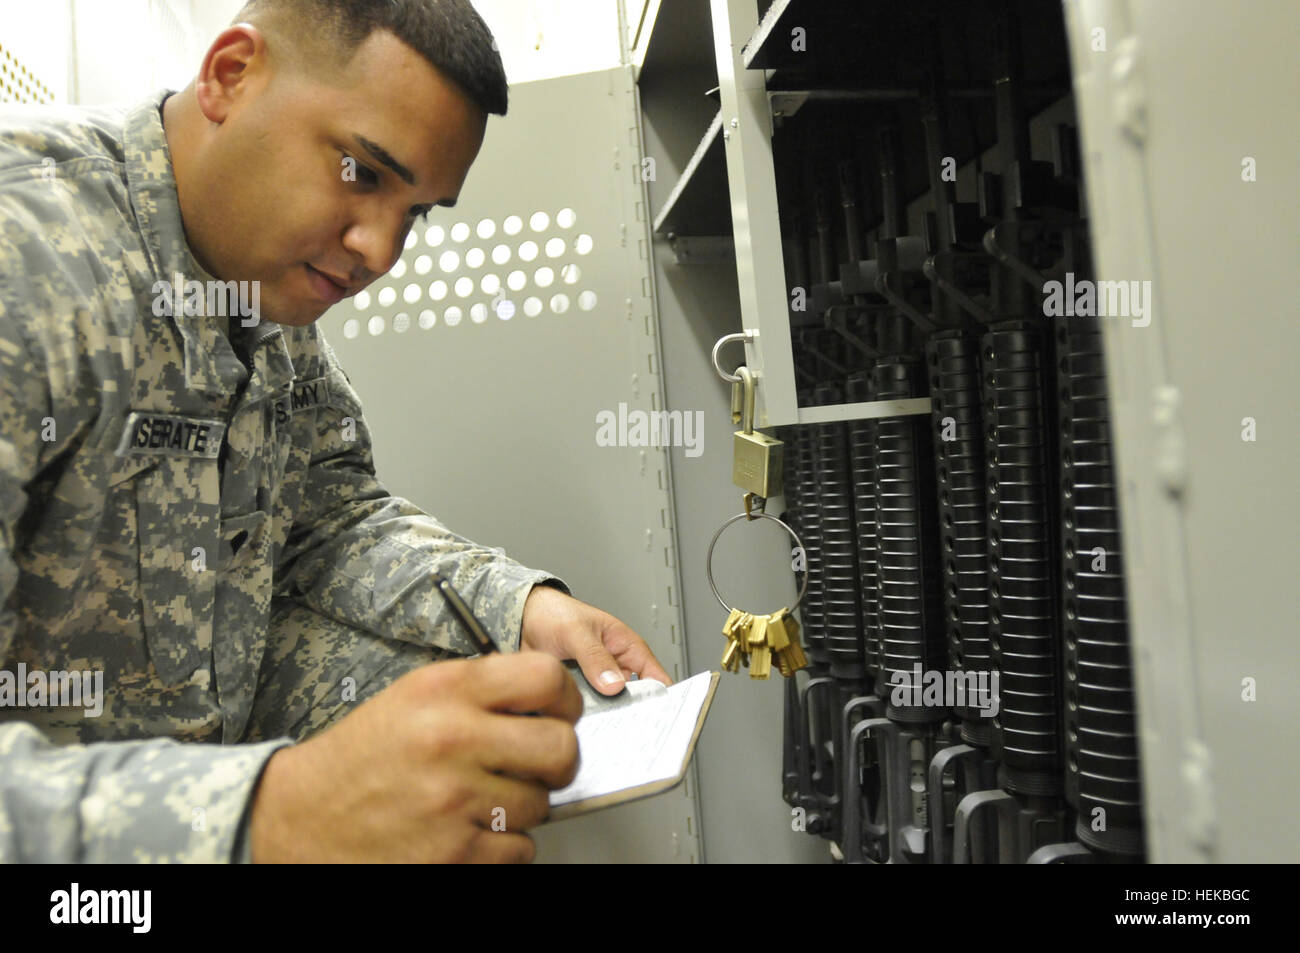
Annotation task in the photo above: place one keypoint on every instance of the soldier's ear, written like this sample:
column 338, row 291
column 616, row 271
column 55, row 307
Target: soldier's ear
column 233, row 62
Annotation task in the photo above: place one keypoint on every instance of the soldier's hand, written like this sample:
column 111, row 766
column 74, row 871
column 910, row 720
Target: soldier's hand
column 606, row 649
column 430, row 769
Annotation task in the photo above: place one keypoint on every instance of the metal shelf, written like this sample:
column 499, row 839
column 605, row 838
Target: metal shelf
column 673, row 37
column 756, row 51
column 829, row 41
column 852, row 44
column 642, row 16
column 697, row 205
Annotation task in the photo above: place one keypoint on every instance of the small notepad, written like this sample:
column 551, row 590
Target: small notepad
column 635, row 744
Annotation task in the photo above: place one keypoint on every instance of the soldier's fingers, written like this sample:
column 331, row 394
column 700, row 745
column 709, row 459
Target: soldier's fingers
column 541, row 748
column 567, row 705
column 507, row 804
column 524, row 682
column 633, row 653
column 492, row 847
column 598, row 665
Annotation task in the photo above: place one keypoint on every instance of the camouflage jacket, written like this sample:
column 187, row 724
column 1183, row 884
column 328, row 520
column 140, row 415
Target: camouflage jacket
column 155, row 493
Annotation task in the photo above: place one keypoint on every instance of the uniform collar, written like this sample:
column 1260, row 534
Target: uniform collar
column 152, row 187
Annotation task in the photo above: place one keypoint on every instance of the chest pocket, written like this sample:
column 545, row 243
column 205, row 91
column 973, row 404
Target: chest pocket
column 244, row 544
column 178, row 519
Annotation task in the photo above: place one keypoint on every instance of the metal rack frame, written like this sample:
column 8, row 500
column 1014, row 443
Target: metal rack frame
column 760, row 266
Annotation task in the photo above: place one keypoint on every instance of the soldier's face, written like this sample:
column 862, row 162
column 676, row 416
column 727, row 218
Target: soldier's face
column 311, row 184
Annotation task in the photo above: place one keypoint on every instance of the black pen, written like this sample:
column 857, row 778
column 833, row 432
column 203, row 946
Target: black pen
column 461, row 610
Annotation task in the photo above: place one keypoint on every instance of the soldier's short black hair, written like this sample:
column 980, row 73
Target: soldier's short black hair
column 449, row 34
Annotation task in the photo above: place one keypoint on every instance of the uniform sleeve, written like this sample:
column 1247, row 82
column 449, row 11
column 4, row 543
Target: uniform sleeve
column 156, row 801
column 365, row 557
column 112, row 801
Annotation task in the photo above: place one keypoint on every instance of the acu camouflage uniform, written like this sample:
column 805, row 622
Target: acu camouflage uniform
column 225, row 591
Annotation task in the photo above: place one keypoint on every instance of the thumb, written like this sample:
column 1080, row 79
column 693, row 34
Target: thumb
column 600, row 667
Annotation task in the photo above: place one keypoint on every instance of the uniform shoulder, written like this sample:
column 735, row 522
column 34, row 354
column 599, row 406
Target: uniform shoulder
column 65, row 239
column 33, row 137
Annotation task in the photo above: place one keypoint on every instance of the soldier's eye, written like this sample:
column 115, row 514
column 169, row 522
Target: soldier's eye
column 364, row 173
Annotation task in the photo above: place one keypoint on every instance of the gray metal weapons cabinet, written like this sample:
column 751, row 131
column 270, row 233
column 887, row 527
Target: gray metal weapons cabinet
column 1179, row 110
column 619, row 223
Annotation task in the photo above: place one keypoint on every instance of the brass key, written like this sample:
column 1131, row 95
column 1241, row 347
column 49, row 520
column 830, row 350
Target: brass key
column 784, row 628
column 736, row 630
column 760, row 652
column 729, row 631
column 779, row 641
column 729, row 627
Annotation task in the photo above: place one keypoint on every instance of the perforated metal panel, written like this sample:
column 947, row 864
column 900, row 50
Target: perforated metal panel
column 516, row 267
column 18, row 84
column 483, row 360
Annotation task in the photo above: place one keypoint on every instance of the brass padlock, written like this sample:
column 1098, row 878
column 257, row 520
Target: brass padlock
column 757, row 458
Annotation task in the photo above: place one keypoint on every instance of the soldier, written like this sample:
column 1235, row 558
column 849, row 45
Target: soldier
column 188, row 502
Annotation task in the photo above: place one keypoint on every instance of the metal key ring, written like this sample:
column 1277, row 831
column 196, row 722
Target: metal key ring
column 708, row 562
